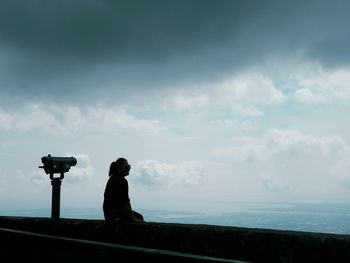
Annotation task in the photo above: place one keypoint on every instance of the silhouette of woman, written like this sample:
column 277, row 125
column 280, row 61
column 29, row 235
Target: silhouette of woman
column 116, row 203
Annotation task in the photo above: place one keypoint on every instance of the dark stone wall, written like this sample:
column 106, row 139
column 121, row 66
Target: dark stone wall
column 21, row 246
column 254, row 245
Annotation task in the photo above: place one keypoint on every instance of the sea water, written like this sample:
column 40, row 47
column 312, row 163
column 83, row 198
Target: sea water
column 310, row 217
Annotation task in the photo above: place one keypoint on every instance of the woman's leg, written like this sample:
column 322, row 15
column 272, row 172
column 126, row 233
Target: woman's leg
column 137, row 215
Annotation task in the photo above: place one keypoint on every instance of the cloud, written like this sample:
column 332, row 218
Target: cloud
column 87, row 50
column 249, row 94
column 156, row 174
column 72, row 119
column 6, row 121
column 64, row 51
column 341, row 171
column 38, row 177
column 120, row 118
column 252, row 88
column 121, row 75
column 152, row 172
column 247, row 150
column 294, row 141
column 38, row 119
column 286, row 159
column 290, row 142
column 324, row 86
column 248, row 110
column 82, row 171
column 246, row 93
column 307, row 96
column 190, row 101
column 273, row 183
column 119, row 28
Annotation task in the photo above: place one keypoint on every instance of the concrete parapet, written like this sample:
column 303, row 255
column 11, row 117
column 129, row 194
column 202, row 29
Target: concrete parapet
column 23, row 246
column 247, row 244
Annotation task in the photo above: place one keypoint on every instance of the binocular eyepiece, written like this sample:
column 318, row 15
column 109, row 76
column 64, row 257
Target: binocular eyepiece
column 52, row 165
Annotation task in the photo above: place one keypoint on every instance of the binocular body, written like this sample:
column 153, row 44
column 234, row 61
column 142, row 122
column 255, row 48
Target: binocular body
column 52, row 165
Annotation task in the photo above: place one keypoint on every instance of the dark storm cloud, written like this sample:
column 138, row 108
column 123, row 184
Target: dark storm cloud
column 49, row 48
column 102, row 29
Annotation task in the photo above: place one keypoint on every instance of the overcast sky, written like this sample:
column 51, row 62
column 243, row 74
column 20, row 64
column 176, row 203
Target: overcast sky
column 212, row 102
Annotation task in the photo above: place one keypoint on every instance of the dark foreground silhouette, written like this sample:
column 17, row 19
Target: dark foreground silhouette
column 116, row 204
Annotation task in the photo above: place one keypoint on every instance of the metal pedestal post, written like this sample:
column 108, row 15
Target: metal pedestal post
column 56, row 196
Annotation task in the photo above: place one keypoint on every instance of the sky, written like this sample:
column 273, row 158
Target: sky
column 212, row 102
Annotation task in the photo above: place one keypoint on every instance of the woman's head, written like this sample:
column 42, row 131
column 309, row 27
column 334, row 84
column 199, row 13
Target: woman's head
column 119, row 167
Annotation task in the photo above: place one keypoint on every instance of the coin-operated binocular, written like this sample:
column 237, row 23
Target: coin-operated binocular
column 56, row 165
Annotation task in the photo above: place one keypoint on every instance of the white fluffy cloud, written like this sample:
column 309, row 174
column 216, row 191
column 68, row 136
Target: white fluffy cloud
column 253, row 89
column 6, row 121
column 38, row 177
column 287, row 159
column 323, row 86
column 158, row 174
column 67, row 120
column 82, row 171
column 38, row 118
column 247, row 94
column 292, row 142
column 121, row 119
column 184, row 101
